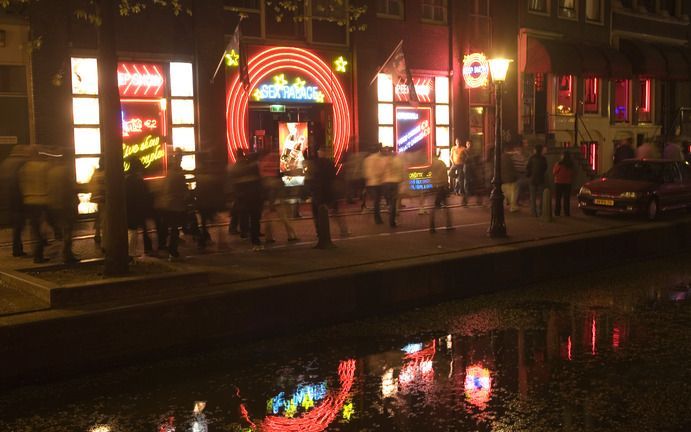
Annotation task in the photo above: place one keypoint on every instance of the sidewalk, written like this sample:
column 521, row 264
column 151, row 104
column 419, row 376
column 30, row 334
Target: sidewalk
column 289, row 286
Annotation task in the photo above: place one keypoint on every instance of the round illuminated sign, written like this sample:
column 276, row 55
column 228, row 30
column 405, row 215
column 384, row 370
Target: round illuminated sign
column 475, row 70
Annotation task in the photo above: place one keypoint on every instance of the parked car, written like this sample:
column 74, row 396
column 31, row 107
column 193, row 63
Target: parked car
column 645, row 187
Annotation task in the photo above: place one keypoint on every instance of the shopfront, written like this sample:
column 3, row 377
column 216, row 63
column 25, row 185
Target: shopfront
column 290, row 100
column 417, row 130
column 158, row 116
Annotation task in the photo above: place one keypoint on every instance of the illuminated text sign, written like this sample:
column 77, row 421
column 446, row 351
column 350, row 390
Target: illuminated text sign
column 475, row 70
column 143, row 135
column 281, row 89
column 141, row 80
column 424, row 87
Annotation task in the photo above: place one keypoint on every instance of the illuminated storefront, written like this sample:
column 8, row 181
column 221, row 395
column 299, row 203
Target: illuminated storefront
column 416, row 130
column 294, row 97
column 157, row 110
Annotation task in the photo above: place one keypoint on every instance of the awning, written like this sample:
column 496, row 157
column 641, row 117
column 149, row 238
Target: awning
column 677, row 64
column 551, row 56
column 618, row 64
column 646, row 60
column 594, row 63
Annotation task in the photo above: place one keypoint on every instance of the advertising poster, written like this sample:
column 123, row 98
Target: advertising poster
column 143, row 135
column 292, row 144
column 414, row 133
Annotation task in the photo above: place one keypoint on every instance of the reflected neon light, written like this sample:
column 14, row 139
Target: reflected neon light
column 478, row 385
column 304, row 397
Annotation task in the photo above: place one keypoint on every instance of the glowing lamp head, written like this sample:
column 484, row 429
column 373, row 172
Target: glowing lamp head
column 498, row 68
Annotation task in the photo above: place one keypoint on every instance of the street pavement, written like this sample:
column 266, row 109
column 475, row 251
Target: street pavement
column 231, row 262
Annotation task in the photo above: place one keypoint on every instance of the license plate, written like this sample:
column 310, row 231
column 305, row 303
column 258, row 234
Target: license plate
column 604, row 202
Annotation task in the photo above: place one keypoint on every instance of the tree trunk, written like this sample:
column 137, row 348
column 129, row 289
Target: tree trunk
column 115, row 235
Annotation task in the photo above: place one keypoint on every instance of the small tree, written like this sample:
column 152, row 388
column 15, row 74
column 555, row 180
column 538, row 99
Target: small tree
column 103, row 14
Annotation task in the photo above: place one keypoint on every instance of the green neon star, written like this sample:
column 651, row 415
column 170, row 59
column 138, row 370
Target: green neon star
column 340, row 64
column 299, row 83
column 280, row 80
column 232, row 58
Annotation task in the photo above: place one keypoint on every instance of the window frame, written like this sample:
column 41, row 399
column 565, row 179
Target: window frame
column 445, row 8
column 312, row 18
column 598, row 91
column 566, row 17
column 601, row 19
column 557, row 84
column 388, row 15
column 628, row 102
column 648, row 83
column 546, row 12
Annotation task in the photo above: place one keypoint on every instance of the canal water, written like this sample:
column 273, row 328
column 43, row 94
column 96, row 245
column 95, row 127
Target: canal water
column 606, row 351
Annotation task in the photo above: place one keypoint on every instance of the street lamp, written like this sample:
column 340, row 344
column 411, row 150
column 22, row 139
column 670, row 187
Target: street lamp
column 497, row 227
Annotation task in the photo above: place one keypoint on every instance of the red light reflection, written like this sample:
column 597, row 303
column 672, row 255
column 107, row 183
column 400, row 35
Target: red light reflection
column 478, row 385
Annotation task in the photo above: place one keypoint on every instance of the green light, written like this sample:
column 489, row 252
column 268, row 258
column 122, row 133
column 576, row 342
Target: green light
column 277, row 108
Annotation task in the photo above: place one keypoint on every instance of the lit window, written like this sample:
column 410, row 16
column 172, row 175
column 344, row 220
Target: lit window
column 183, row 111
column 567, row 9
column 391, row 8
column 564, row 94
column 187, row 163
column 591, row 97
column 385, row 114
column 593, row 10
column 644, row 105
column 441, row 90
column 538, row 6
column 184, row 138
column 386, row 136
column 384, row 88
column 442, row 114
column 87, row 141
column 84, row 76
column 85, row 111
column 181, row 81
column 434, row 10
column 621, row 100
column 84, row 168
column 442, row 136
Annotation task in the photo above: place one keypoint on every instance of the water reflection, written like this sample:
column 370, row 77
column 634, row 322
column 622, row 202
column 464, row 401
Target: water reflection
column 515, row 365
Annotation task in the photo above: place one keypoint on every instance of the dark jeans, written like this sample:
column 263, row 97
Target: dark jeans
column 375, row 192
column 171, row 222
column 250, row 215
column 535, row 194
column 563, row 194
column 390, row 191
column 18, row 222
column 457, row 179
column 148, row 247
column 35, row 215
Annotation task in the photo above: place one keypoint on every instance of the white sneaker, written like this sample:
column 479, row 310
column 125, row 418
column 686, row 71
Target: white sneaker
column 257, row 248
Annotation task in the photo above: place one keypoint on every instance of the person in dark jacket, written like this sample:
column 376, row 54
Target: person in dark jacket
column 12, row 212
column 249, row 194
column 138, row 203
column 173, row 204
column 209, row 199
column 563, row 172
column 62, row 201
column 535, row 171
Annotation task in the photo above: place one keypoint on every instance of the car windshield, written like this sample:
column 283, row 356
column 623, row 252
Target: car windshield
column 641, row 171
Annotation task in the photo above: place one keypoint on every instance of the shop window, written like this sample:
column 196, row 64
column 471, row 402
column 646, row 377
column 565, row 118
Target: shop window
column 329, row 22
column 644, row 104
column 591, row 96
column 621, row 100
column 14, row 104
column 593, row 10
column 434, row 11
column 564, row 99
column 568, row 9
column 540, row 6
column 285, row 22
column 390, row 8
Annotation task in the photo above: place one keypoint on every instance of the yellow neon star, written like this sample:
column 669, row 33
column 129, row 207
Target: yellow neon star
column 299, row 83
column 348, row 411
column 280, row 80
column 340, row 64
column 319, row 97
column 257, row 95
column 232, row 58
column 307, row 402
column 291, row 410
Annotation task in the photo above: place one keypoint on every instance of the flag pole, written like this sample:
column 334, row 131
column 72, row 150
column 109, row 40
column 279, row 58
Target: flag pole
column 387, row 61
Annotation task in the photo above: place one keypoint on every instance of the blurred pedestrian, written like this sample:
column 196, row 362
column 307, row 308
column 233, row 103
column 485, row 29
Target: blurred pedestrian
column 519, row 158
column 373, row 170
column 208, row 196
column 230, row 192
column 393, row 175
column 563, row 172
column 535, row 171
column 354, row 177
column 173, row 204
column 62, row 203
column 250, row 198
column 622, row 152
column 509, row 185
column 12, row 212
column 322, row 183
column 33, row 182
column 138, row 205
column 672, row 151
column 275, row 191
column 647, row 151
column 97, row 188
column 440, row 192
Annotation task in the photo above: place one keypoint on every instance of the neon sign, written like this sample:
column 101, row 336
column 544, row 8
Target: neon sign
column 304, row 397
column 141, row 80
column 478, row 385
column 340, row 64
column 413, row 130
column 424, row 87
column 143, row 134
column 280, row 90
column 137, row 125
column 232, row 58
column 475, row 70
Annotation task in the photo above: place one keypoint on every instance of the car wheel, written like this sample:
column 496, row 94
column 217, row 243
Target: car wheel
column 652, row 210
column 589, row 212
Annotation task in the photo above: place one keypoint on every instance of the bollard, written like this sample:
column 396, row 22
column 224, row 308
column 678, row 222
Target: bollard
column 323, row 228
column 547, row 205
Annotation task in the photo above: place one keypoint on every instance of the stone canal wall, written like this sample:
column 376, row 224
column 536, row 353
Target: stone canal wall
column 67, row 341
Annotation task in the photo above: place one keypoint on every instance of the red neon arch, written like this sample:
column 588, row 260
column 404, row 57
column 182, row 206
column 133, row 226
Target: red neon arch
column 269, row 61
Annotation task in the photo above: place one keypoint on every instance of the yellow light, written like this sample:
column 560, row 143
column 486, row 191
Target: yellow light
column 299, row 83
column 348, row 411
column 341, row 64
column 498, row 68
column 280, row 80
column 232, row 59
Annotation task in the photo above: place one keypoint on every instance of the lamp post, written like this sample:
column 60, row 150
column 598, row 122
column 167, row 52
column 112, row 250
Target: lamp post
column 497, row 227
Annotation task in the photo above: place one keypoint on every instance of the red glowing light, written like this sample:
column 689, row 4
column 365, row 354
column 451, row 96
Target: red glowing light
column 318, row 418
column 593, row 332
column 478, row 385
column 615, row 337
column 268, row 62
column 568, row 348
column 141, row 80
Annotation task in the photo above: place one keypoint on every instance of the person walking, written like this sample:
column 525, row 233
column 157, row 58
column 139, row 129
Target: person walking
column 509, row 186
column 440, row 192
column 563, row 172
column 12, row 212
column 275, row 191
column 173, row 205
column 33, row 183
column 393, row 175
column 250, row 198
column 372, row 167
column 208, row 199
column 535, row 171
column 97, row 188
column 62, row 202
column 138, row 205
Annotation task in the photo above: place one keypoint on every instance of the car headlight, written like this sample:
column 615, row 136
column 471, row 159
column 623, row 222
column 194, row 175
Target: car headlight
column 584, row 191
column 628, row 195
